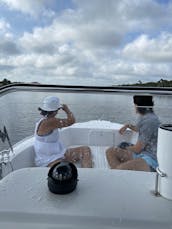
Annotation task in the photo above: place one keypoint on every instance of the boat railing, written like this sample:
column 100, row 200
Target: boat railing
column 5, row 154
column 159, row 174
column 5, row 160
column 86, row 89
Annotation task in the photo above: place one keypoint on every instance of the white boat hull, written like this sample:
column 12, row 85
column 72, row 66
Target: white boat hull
column 104, row 198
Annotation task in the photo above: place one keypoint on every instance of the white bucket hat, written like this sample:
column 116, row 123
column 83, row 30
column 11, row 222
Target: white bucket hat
column 51, row 103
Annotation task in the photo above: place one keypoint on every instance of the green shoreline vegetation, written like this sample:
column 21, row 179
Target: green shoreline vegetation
column 160, row 83
column 5, row 82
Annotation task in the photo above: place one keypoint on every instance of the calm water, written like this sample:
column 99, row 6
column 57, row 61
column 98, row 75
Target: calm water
column 19, row 109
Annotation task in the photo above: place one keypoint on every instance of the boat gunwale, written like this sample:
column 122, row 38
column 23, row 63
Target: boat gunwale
column 84, row 89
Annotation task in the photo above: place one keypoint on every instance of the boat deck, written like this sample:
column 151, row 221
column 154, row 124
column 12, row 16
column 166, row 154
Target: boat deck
column 103, row 198
column 98, row 157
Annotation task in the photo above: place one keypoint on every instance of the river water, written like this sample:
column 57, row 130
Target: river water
column 19, row 109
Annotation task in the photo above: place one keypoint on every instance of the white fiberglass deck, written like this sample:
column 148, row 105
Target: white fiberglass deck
column 103, row 198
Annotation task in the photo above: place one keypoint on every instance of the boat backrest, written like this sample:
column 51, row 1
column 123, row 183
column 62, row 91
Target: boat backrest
column 24, row 154
column 98, row 139
column 24, row 159
column 95, row 137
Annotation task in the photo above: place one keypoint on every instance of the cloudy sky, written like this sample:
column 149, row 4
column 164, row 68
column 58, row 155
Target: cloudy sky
column 85, row 42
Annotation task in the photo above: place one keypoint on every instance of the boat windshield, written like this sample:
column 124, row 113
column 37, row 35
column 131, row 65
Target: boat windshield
column 19, row 107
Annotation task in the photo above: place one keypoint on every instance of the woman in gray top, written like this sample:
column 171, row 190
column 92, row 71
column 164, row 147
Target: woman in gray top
column 142, row 155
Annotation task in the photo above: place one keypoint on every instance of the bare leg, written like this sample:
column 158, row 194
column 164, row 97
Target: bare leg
column 82, row 154
column 122, row 159
column 116, row 156
column 138, row 164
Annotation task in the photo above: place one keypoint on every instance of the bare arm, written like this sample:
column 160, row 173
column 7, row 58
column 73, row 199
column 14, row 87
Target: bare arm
column 137, row 148
column 131, row 127
column 60, row 123
column 139, row 145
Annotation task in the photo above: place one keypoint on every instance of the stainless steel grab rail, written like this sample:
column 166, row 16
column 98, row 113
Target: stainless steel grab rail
column 159, row 173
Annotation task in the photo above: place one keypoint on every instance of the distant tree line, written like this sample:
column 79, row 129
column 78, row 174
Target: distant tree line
column 160, row 83
column 4, row 82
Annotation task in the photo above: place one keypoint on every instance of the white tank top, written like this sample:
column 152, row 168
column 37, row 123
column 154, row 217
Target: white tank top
column 48, row 148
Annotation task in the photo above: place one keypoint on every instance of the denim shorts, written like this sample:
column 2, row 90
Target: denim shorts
column 153, row 164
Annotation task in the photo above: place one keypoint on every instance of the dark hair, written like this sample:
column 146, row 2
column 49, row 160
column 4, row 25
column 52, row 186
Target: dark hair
column 45, row 113
column 144, row 103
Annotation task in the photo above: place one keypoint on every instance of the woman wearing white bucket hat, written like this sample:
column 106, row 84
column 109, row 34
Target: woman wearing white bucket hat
column 47, row 145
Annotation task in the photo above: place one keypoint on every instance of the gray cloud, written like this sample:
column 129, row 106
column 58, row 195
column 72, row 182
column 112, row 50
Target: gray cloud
column 8, row 48
column 6, row 67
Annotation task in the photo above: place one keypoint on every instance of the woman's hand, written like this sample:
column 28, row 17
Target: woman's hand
column 65, row 107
